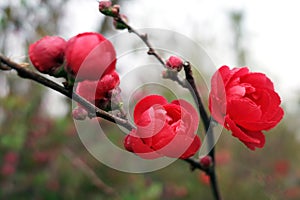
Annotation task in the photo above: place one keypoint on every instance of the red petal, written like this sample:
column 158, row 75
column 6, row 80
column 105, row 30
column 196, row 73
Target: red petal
column 163, row 137
column 181, row 146
column 193, row 148
column 258, row 135
column 145, row 103
column 258, row 80
column 243, row 110
column 239, row 133
column 266, row 125
column 237, row 73
column 136, row 145
column 217, row 96
column 189, row 109
column 174, row 112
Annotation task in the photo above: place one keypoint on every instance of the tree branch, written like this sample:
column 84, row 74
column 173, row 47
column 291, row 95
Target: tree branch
column 92, row 109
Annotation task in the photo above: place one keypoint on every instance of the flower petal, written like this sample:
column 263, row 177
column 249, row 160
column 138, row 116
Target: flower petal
column 145, row 103
column 189, row 109
column 258, row 135
column 239, row 133
column 258, row 80
column 136, row 145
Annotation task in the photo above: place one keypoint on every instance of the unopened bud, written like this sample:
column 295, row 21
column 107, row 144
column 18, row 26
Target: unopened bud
column 106, row 8
column 104, row 5
column 174, row 63
column 206, row 162
column 119, row 24
column 79, row 113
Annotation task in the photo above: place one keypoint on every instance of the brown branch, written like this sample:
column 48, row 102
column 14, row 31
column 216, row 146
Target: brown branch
column 143, row 37
column 92, row 109
column 206, row 121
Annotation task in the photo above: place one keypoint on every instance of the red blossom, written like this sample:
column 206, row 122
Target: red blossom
column 163, row 129
column 90, row 56
column 245, row 103
column 47, row 54
column 97, row 91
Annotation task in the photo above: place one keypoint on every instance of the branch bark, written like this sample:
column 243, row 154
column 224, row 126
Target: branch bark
column 92, row 109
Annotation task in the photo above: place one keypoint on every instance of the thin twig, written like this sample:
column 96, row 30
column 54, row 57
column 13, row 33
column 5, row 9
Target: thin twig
column 206, row 122
column 80, row 164
column 144, row 38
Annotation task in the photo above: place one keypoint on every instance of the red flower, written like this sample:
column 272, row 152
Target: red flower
column 47, row 54
column 96, row 91
column 90, row 56
column 163, row 129
column 245, row 103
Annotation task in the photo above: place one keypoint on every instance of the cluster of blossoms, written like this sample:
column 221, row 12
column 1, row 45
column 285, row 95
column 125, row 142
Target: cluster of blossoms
column 242, row 101
column 87, row 58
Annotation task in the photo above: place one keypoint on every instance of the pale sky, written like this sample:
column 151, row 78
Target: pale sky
column 271, row 30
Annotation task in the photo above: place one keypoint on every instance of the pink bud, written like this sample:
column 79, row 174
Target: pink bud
column 104, row 5
column 79, row 113
column 106, row 8
column 174, row 63
column 206, row 161
column 47, row 55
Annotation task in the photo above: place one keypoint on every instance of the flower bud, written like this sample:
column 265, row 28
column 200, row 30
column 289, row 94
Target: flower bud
column 104, row 5
column 47, row 55
column 89, row 56
column 175, row 63
column 79, row 113
column 106, row 8
column 119, row 25
column 206, row 161
column 100, row 93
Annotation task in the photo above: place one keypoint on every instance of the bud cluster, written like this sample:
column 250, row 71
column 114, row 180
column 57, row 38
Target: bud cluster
column 87, row 58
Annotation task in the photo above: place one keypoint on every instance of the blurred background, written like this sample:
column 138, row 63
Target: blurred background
column 41, row 155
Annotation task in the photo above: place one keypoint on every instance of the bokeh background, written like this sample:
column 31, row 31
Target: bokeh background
column 41, row 155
